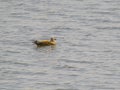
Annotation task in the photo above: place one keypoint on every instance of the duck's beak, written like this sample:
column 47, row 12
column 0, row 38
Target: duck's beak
column 54, row 38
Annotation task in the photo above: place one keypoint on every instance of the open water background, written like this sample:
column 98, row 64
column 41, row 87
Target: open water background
column 87, row 54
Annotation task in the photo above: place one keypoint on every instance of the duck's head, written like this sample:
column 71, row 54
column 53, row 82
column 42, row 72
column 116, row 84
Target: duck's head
column 52, row 39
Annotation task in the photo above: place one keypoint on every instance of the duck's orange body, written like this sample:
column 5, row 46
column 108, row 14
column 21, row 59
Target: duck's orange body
column 52, row 41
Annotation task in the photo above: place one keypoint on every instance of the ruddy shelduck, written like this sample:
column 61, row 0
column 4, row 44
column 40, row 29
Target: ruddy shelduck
column 52, row 41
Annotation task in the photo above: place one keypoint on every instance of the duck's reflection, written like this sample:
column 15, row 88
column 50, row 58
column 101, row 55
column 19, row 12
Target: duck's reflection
column 46, row 48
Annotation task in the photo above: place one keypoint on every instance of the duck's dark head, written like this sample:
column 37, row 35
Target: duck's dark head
column 52, row 39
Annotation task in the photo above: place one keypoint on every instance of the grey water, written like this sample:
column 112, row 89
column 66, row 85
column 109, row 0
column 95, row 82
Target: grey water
column 87, row 54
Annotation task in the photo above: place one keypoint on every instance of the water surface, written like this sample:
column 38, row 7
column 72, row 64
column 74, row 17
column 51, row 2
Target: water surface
column 87, row 54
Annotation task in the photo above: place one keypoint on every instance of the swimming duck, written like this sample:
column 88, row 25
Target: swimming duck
column 52, row 41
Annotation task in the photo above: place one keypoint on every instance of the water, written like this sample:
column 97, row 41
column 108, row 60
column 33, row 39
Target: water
column 87, row 54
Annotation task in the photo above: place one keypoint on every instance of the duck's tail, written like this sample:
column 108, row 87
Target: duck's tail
column 34, row 41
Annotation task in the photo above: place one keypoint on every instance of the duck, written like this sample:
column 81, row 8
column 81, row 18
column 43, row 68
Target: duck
column 52, row 41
